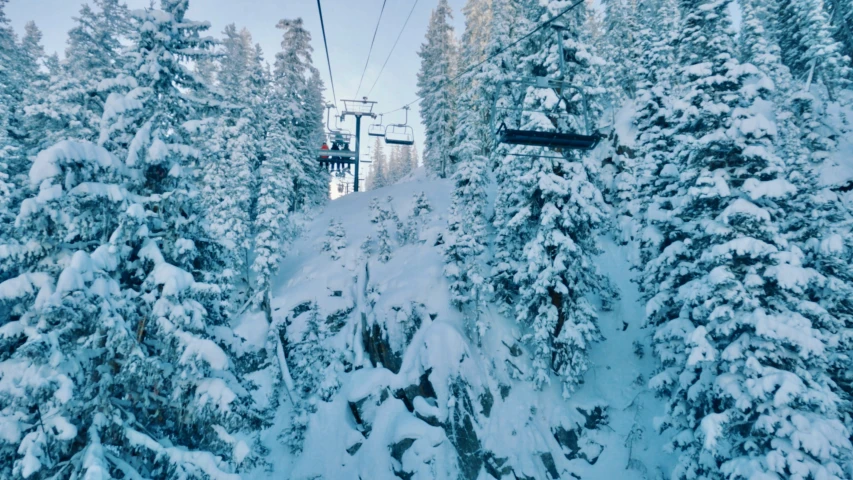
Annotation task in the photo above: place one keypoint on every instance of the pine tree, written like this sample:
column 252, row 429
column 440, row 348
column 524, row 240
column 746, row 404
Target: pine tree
column 336, row 239
column 508, row 23
column 807, row 45
column 466, row 239
column 378, row 176
column 656, row 84
column 743, row 359
column 282, row 170
column 412, row 231
column 841, row 13
column 300, row 88
column 815, row 213
column 622, row 48
column 71, row 103
column 549, row 211
column 231, row 144
column 438, row 105
column 9, row 164
column 315, row 183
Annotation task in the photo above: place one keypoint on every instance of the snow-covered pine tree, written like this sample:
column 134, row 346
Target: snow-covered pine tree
column 281, row 168
column 399, row 163
column 257, row 90
column 225, row 188
column 72, row 101
column 621, row 48
column 815, row 216
column 549, row 215
column 819, row 72
column 234, row 63
column 9, row 164
column 808, row 47
column 65, row 320
column 654, row 142
column 299, row 85
column 466, row 237
column 336, row 239
column 841, row 14
column 111, row 338
column 744, row 364
column 438, row 94
column 378, row 176
column 316, row 368
column 412, row 231
column 21, row 80
column 231, row 143
column 415, row 159
column 315, row 183
column 408, row 160
column 509, row 22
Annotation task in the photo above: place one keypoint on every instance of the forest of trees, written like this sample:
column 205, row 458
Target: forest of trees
column 151, row 180
column 388, row 169
column 148, row 183
column 720, row 136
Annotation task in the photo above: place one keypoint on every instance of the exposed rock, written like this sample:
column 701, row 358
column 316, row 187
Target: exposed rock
column 354, row 448
column 377, row 347
column 548, row 461
column 461, row 433
column 496, row 467
column 397, row 451
column 487, row 401
column 576, row 445
column 594, row 417
column 363, row 410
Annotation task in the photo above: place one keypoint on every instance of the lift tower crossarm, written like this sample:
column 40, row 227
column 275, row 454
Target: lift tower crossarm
column 357, row 109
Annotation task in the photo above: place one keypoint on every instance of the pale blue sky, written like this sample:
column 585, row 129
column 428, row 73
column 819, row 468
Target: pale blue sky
column 349, row 28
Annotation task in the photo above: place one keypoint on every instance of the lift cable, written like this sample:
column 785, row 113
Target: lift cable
column 367, row 62
column 499, row 52
column 328, row 60
column 393, row 47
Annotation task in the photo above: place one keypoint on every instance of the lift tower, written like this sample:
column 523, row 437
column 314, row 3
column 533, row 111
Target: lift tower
column 357, row 109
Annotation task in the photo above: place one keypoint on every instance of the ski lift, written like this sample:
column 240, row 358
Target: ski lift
column 376, row 129
column 400, row 133
column 554, row 127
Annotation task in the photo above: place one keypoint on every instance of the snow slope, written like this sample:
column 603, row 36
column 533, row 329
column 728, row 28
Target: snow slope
column 387, row 384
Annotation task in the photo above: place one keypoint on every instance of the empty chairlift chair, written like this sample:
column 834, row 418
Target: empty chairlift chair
column 400, row 133
column 376, row 129
column 557, row 120
column 560, row 123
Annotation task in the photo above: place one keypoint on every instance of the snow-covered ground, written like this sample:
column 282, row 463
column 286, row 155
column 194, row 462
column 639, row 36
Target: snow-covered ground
column 409, row 395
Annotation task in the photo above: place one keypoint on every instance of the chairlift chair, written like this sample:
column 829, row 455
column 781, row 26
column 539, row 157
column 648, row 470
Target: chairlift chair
column 569, row 131
column 562, row 128
column 400, row 133
column 376, row 129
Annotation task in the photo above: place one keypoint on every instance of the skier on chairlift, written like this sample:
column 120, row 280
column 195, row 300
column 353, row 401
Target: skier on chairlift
column 345, row 166
column 336, row 147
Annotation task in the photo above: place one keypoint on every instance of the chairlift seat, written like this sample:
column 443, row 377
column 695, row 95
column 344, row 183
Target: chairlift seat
column 376, row 130
column 399, row 135
column 567, row 140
